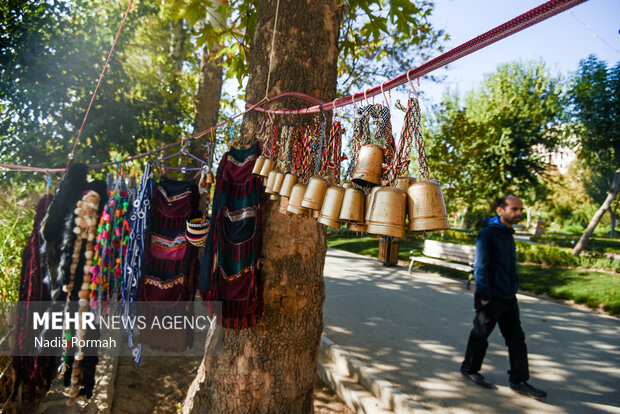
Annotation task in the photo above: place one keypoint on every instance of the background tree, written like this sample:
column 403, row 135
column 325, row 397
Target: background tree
column 51, row 54
column 595, row 95
column 495, row 141
column 396, row 36
column 568, row 199
column 597, row 187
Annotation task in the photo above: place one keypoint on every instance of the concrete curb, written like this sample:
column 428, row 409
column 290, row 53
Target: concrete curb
column 336, row 363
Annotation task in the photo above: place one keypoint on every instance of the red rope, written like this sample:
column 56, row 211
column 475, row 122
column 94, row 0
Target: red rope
column 536, row 15
column 34, row 169
column 92, row 99
column 142, row 155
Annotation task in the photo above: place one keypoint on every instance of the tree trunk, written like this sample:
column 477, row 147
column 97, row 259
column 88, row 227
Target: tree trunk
column 207, row 99
column 528, row 209
column 612, row 216
column 612, row 219
column 271, row 368
column 611, row 195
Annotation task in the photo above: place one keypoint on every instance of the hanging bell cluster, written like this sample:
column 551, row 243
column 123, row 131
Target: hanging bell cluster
column 364, row 204
column 376, row 200
column 381, row 210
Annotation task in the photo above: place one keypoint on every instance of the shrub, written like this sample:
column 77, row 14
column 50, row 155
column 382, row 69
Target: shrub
column 561, row 257
column 597, row 244
column 16, row 220
column 473, row 219
column 552, row 256
column 453, row 236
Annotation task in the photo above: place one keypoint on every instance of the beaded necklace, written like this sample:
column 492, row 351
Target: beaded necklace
column 112, row 236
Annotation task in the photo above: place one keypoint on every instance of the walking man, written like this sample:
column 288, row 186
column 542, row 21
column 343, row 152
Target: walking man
column 495, row 300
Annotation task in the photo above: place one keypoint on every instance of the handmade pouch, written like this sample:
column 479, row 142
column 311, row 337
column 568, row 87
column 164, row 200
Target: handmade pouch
column 165, row 299
column 237, row 247
column 162, row 247
column 172, row 205
column 238, row 287
column 155, row 289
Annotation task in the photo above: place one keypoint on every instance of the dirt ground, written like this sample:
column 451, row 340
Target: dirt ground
column 159, row 384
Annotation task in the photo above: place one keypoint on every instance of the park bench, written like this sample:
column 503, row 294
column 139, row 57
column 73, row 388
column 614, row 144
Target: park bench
column 438, row 253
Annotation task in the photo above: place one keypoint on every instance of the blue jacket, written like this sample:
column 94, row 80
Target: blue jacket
column 495, row 266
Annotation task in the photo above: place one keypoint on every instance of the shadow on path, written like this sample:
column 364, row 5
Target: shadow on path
column 413, row 328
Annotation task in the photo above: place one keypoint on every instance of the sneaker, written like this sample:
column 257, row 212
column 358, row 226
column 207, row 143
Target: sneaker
column 526, row 389
column 476, row 378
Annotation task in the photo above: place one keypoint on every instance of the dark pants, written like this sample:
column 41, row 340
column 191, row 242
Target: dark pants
column 506, row 314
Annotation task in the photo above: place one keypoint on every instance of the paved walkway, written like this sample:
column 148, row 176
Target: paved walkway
column 412, row 329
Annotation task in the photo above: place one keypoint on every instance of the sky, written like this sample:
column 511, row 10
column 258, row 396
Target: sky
column 561, row 41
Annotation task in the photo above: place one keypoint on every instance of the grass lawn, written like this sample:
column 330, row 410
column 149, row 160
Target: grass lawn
column 582, row 286
column 369, row 245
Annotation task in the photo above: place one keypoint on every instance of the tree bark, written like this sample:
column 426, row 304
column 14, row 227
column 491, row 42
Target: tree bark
column 304, row 60
column 528, row 209
column 271, row 368
column 611, row 195
column 612, row 218
column 207, row 99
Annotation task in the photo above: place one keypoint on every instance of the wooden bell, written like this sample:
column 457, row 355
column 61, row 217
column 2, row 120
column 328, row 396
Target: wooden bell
column 427, row 209
column 315, row 193
column 267, row 167
column 352, row 209
column 270, row 179
column 360, row 226
column 258, row 165
column 387, row 212
column 297, row 196
column 403, row 183
column 330, row 211
column 368, row 167
column 287, row 185
column 277, row 183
